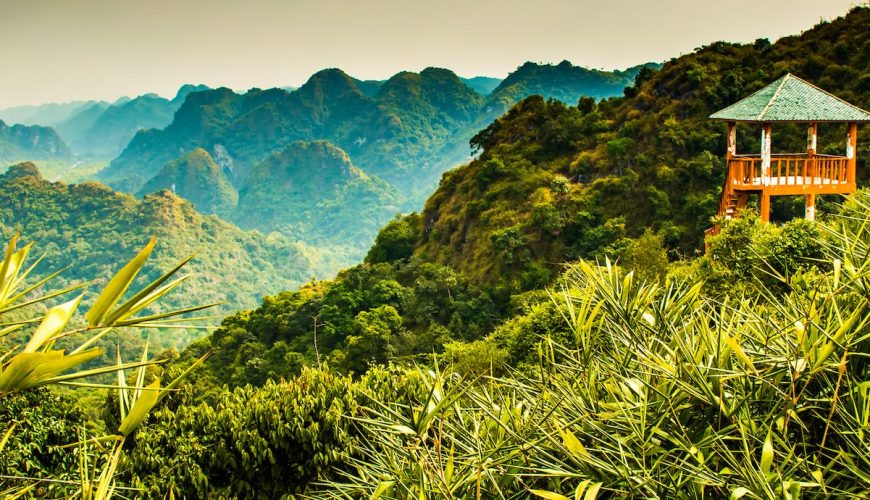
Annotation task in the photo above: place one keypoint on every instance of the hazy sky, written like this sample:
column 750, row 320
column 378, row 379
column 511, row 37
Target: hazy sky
column 59, row 50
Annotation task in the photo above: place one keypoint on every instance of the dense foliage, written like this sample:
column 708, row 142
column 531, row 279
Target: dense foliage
column 46, row 445
column 369, row 314
column 657, row 391
column 264, row 442
column 621, row 386
column 44, row 421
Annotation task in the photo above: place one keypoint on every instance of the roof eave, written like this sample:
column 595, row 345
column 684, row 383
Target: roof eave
column 753, row 120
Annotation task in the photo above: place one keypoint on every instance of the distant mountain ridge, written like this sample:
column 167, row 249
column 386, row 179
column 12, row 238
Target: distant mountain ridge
column 46, row 115
column 105, row 134
column 406, row 130
column 483, row 85
column 22, row 142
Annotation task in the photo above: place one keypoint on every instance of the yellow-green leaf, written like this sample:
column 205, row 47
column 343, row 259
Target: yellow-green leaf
column 7, row 435
column 448, row 470
column 549, row 495
column 739, row 493
column 592, row 492
column 766, row 455
column 119, row 284
column 578, row 493
column 52, row 324
column 140, row 409
column 574, row 445
column 402, row 429
column 384, row 487
column 738, row 350
column 30, row 369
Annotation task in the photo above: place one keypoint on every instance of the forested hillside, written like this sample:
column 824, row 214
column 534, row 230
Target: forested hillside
column 199, row 180
column 310, row 191
column 87, row 226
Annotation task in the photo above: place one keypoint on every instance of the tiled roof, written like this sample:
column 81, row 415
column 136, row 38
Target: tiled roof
column 791, row 99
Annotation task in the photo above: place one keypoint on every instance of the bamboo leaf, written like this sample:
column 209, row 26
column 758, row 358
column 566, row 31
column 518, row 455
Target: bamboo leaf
column 739, row 352
column 96, row 371
column 574, row 445
column 144, row 403
column 11, row 329
column 126, row 309
column 578, row 493
column 52, row 324
column 384, row 487
column 119, row 284
column 549, row 495
column 766, row 455
column 592, row 492
column 7, row 435
column 30, row 369
column 739, row 493
column 148, row 319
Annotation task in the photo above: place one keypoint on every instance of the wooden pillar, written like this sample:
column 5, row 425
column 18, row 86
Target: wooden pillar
column 731, row 140
column 812, row 144
column 765, row 153
column 812, row 138
column 765, row 207
column 851, row 152
column 810, row 213
column 765, row 171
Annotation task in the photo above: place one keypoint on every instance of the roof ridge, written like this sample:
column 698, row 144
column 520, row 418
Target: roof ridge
column 782, row 81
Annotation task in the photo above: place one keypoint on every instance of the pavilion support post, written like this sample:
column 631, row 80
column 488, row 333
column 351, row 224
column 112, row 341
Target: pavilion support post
column 765, row 153
column 810, row 213
column 809, row 169
column 765, row 207
column 851, row 152
column 812, row 138
column 732, row 140
column 765, row 171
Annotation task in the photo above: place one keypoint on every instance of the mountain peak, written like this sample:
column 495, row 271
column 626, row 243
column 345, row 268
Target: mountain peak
column 186, row 89
column 196, row 177
column 330, row 79
column 24, row 169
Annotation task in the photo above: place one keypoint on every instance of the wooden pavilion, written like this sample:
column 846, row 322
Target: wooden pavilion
column 787, row 100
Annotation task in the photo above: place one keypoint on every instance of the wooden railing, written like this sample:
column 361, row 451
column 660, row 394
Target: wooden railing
column 788, row 170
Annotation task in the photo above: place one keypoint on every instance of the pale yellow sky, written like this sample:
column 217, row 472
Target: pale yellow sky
column 59, row 50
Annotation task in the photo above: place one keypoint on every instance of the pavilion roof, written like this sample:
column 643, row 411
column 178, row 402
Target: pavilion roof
column 791, row 99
